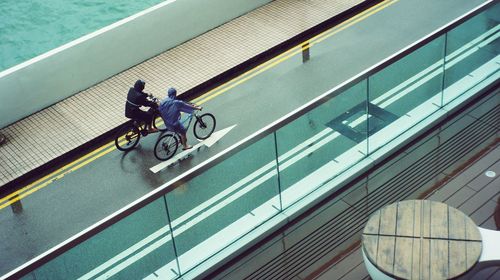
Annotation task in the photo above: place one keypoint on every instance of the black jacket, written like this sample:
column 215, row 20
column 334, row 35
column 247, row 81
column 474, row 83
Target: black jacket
column 136, row 98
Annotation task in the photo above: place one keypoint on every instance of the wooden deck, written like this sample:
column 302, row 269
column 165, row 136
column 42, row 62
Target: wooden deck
column 471, row 191
column 421, row 239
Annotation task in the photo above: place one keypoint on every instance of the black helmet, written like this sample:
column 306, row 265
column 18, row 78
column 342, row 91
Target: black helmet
column 139, row 85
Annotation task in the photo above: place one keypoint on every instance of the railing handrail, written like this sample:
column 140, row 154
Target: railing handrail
column 240, row 145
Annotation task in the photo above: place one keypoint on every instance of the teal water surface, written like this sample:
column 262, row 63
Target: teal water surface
column 31, row 27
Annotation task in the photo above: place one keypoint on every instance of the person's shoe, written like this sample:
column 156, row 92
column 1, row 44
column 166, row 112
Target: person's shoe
column 187, row 148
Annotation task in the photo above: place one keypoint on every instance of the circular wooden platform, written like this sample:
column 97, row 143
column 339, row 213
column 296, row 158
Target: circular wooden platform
column 421, row 239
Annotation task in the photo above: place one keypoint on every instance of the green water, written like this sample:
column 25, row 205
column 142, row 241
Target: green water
column 31, row 27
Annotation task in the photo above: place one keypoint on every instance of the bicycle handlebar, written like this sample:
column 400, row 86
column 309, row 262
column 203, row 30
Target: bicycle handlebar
column 157, row 100
column 193, row 104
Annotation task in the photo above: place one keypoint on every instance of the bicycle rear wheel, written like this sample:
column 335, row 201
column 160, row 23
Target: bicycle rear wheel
column 204, row 126
column 158, row 122
column 127, row 137
column 166, row 146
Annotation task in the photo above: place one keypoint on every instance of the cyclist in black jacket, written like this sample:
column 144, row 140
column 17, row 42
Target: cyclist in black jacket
column 137, row 98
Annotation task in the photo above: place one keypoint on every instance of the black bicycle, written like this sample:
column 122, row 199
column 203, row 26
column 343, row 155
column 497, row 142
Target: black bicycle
column 167, row 144
column 129, row 135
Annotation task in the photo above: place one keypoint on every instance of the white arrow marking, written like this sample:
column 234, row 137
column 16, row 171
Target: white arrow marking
column 216, row 136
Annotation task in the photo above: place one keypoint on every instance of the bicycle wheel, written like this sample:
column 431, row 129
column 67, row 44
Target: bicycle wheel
column 131, row 136
column 166, row 146
column 204, row 126
column 158, row 122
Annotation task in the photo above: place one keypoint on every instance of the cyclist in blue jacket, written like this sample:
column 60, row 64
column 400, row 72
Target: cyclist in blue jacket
column 170, row 111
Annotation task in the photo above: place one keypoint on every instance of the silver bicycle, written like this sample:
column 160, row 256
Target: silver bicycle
column 166, row 146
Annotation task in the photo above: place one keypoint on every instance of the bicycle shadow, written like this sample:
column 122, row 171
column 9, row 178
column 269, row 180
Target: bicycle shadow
column 138, row 161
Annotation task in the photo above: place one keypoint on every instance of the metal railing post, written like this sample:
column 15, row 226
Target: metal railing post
column 305, row 52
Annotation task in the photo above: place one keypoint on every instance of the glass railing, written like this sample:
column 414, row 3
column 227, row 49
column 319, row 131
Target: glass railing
column 216, row 204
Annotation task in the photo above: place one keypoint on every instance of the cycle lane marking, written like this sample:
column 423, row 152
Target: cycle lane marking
column 216, row 136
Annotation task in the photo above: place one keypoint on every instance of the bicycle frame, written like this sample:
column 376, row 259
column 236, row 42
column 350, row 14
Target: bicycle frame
column 187, row 120
column 166, row 146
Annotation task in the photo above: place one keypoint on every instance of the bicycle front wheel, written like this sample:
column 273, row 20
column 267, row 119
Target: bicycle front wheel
column 166, row 146
column 127, row 137
column 204, row 126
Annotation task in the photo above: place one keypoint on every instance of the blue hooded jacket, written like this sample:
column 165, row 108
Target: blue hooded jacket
column 171, row 108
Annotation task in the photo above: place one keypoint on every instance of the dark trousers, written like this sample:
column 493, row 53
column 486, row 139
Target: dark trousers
column 146, row 117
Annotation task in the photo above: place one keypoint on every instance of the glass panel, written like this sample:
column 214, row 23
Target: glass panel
column 472, row 52
column 319, row 145
column 222, row 204
column 404, row 93
column 130, row 249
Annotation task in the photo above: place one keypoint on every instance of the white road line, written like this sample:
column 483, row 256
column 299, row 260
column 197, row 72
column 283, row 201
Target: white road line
column 474, row 42
column 125, row 253
column 139, row 255
column 472, row 50
column 218, row 240
column 216, row 136
column 304, row 144
column 225, row 202
column 223, row 194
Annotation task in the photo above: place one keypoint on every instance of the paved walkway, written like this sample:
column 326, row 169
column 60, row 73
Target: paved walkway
column 56, row 130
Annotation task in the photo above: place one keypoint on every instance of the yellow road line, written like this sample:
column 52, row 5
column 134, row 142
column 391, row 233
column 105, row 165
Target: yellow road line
column 105, row 149
column 295, row 50
column 320, row 37
column 62, row 169
column 17, row 197
column 372, row 10
column 355, row 21
column 59, row 173
column 252, row 75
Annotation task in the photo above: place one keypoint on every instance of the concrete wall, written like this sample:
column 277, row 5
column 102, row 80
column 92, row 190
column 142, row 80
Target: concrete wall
column 62, row 72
